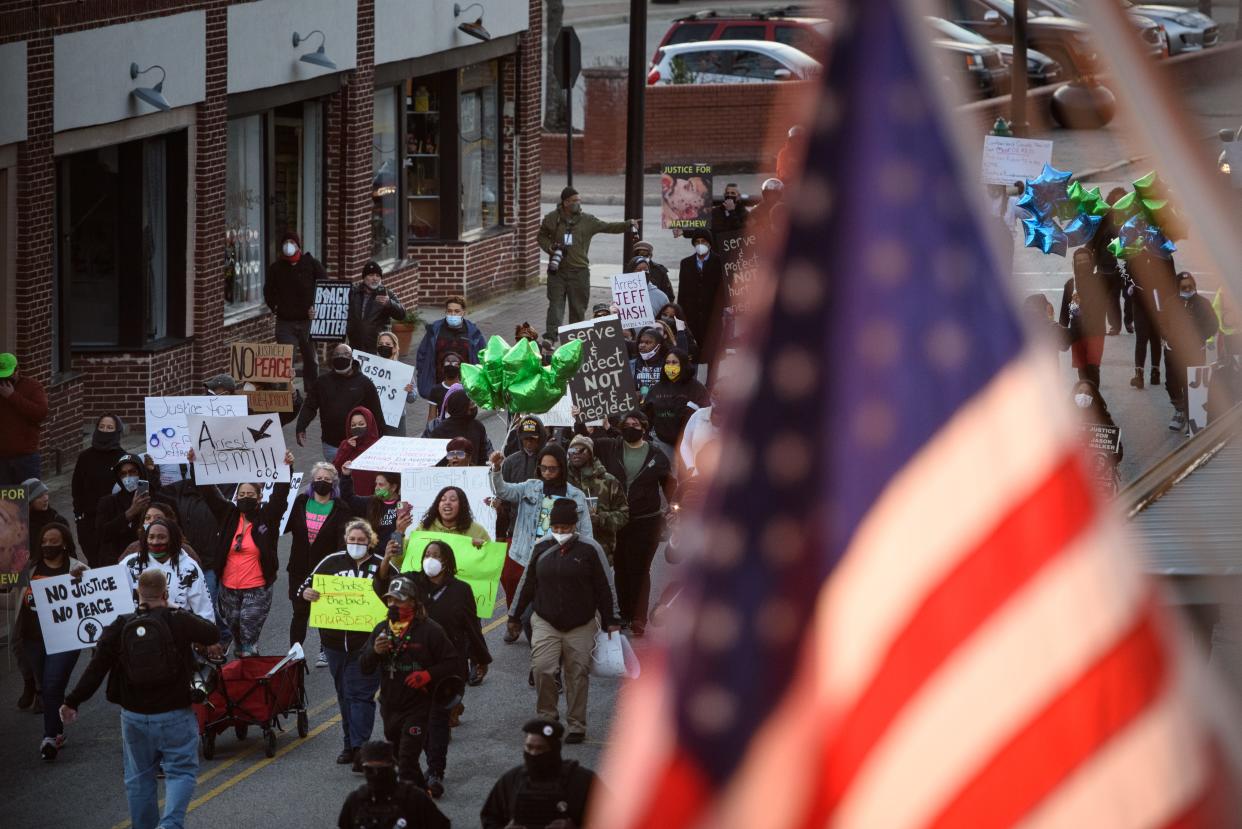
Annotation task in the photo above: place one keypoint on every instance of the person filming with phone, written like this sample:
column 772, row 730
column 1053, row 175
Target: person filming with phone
column 371, row 306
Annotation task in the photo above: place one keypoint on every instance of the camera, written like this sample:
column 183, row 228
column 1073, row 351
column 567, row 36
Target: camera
column 554, row 259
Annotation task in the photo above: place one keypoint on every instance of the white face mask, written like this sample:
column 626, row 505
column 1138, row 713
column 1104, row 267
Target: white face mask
column 561, row 538
column 289, row 249
column 701, row 250
column 432, row 567
column 1083, row 401
column 356, row 551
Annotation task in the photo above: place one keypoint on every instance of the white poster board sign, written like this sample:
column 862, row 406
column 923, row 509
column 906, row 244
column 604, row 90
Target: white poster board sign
column 236, row 450
column 419, row 487
column 390, row 378
column 633, row 299
column 561, row 414
column 74, row 614
column 1006, row 160
column 167, row 436
column 295, row 481
column 1198, row 378
column 389, row 454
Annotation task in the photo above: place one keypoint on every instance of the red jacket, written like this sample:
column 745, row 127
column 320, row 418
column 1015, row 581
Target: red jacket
column 364, row 482
column 20, row 415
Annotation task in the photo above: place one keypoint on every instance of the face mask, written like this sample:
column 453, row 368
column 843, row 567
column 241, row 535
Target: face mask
column 52, row 552
column 452, row 371
column 146, row 525
column 672, row 372
column 342, row 364
column 358, row 431
column 453, row 320
column 575, row 209
column 1186, row 294
column 356, row 551
column 289, row 249
column 384, row 351
column 701, row 250
column 130, row 482
column 159, row 549
column 382, row 493
column 400, row 613
column 106, row 440
column 322, row 487
column 649, row 353
column 542, row 766
column 1082, row 401
column 561, row 538
column 669, row 320
column 247, row 503
column 432, row 567
column 631, row 434
column 381, row 779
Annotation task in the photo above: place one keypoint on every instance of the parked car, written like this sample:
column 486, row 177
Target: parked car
column 733, row 61
column 788, row 25
column 1150, row 30
column 1188, row 30
column 1066, row 41
column 986, row 74
column 1040, row 69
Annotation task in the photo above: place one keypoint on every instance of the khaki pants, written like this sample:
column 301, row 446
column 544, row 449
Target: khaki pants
column 574, row 285
column 571, row 652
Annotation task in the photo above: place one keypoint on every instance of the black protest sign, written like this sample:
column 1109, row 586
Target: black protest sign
column 739, row 251
column 331, row 310
column 1101, row 437
column 604, row 384
column 1102, row 443
column 14, row 533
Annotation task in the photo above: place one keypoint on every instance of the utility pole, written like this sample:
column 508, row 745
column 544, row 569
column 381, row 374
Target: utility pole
column 634, row 129
column 1017, row 71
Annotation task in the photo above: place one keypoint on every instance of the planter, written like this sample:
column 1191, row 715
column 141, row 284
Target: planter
column 1083, row 105
column 405, row 332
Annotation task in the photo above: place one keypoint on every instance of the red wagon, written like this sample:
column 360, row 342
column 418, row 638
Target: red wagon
column 254, row 691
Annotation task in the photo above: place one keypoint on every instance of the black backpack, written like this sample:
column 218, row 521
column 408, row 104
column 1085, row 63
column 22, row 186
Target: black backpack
column 149, row 650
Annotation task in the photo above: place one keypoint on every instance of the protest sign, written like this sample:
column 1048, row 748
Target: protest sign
column 345, row 603
column 604, row 384
column 629, row 292
column 562, row 414
column 264, row 373
column 295, row 481
column 390, row 378
column 235, row 450
column 167, row 433
column 685, row 196
column 739, row 251
column 1007, row 160
column 478, row 567
column 73, row 614
column 331, row 310
column 14, row 533
column 1102, row 442
column 391, row 454
column 419, row 487
column 1198, row 381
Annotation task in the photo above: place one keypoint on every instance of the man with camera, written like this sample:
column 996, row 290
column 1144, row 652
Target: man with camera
column 565, row 235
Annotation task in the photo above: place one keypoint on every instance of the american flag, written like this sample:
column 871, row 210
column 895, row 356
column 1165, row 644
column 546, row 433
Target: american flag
column 907, row 608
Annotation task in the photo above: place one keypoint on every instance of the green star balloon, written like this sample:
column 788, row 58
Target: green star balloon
column 514, row 378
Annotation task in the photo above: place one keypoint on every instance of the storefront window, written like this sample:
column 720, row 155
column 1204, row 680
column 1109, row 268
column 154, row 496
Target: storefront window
column 422, row 157
column 385, row 170
column 121, row 247
column 245, row 262
column 479, row 131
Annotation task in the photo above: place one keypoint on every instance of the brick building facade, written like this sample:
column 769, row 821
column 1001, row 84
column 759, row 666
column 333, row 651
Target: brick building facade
column 134, row 238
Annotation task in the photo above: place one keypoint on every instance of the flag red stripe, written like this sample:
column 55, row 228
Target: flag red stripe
column 1022, row 542
column 1096, row 707
column 679, row 795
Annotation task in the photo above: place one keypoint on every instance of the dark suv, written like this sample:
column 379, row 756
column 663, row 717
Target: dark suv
column 1066, row 41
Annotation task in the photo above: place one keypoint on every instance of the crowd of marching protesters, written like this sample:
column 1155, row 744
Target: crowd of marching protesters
column 581, row 509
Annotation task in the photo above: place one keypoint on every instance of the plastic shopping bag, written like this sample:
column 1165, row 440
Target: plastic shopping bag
column 613, row 656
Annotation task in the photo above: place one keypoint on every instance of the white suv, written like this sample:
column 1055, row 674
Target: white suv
column 731, row 61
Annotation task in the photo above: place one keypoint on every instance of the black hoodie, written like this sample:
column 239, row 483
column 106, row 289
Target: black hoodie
column 333, row 396
column 290, row 287
column 113, row 530
column 671, row 402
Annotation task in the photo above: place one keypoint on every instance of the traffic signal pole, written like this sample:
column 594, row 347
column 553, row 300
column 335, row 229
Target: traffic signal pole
column 637, row 88
column 1017, row 71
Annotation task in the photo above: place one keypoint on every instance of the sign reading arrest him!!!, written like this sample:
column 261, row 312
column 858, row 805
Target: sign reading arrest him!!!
column 74, row 612
column 345, row 603
column 478, row 567
column 237, row 450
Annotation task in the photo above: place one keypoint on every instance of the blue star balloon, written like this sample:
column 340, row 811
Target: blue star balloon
column 1046, row 236
column 1051, row 188
column 1082, row 229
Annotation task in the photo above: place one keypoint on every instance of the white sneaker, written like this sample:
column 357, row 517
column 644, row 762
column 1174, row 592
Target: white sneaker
column 322, row 661
column 48, row 750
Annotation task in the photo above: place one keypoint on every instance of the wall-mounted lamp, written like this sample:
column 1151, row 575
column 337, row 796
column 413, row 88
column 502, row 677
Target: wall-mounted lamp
column 474, row 29
column 153, row 95
column 317, row 57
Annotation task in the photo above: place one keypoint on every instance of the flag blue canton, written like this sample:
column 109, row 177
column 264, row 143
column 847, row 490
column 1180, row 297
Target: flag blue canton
column 890, row 313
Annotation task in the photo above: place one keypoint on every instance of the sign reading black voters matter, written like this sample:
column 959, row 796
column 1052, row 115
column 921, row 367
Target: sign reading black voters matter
column 331, row 310
column 633, row 300
column 604, row 384
column 235, row 450
column 74, row 612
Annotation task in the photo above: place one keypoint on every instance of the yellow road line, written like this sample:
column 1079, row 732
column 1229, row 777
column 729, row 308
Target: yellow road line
column 246, row 752
column 490, row 626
